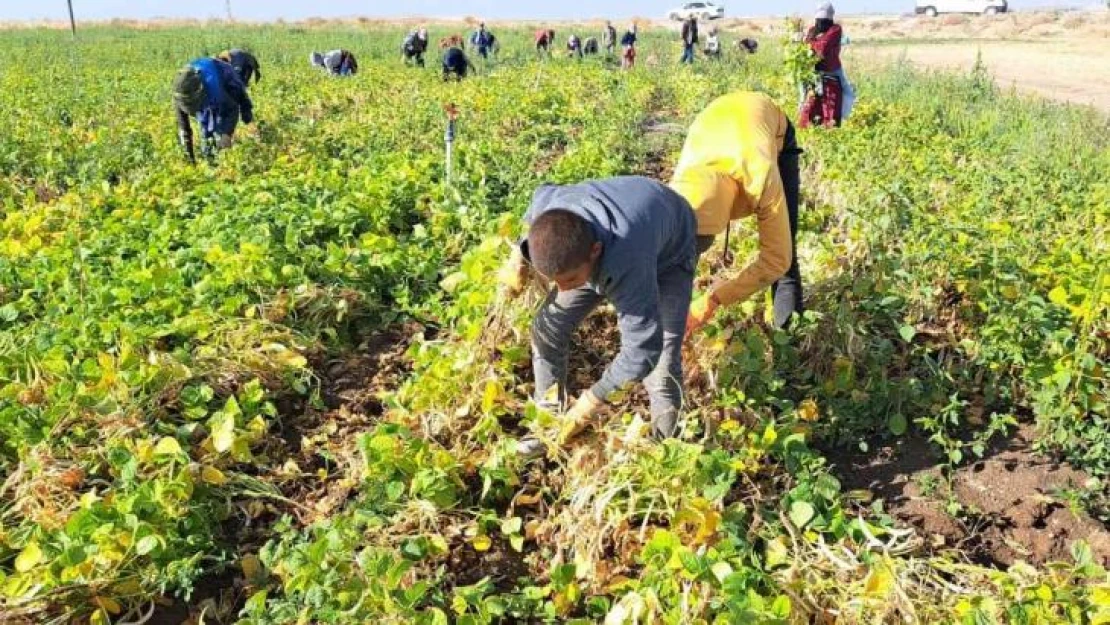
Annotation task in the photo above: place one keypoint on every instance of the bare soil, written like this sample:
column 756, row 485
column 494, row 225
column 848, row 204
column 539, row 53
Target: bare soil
column 1071, row 71
column 1010, row 505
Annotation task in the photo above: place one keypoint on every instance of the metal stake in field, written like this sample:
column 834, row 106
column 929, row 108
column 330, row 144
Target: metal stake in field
column 72, row 22
column 449, row 138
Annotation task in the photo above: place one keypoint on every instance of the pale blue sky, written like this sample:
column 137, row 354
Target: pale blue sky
column 490, row 9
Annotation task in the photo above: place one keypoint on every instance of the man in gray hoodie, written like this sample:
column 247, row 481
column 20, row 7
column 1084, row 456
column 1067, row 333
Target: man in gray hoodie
column 630, row 240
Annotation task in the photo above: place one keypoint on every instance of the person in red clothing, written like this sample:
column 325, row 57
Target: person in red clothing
column 545, row 39
column 824, row 37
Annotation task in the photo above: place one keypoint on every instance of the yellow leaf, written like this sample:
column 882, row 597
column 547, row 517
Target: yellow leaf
column 28, row 558
column 481, row 543
column 167, row 446
column 100, row 617
column 223, row 432
column 214, row 476
column 109, row 605
column 1058, row 296
column 552, row 394
column 807, row 411
column 490, row 395
column 252, row 568
column 879, row 581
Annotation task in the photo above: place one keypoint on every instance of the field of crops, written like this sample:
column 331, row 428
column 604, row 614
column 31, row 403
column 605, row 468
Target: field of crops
column 283, row 389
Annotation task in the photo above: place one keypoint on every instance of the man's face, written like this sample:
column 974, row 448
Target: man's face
column 578, row 277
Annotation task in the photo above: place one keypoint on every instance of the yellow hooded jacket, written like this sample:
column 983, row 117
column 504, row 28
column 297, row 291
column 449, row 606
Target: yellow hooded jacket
column 729, row 170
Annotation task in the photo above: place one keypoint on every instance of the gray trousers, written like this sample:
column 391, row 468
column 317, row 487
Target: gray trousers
column 561, row 312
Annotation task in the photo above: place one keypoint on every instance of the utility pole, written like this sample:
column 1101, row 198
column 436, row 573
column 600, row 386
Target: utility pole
column 73, row 22
column 228, row 5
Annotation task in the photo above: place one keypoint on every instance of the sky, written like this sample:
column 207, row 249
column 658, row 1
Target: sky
column 487, row 9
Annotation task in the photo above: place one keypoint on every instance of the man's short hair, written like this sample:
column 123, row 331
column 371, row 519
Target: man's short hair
column 559, row 241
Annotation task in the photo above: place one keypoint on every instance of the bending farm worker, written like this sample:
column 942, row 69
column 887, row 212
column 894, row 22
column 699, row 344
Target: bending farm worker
column 455, row 63
column 740, row 159
column 713, row 44
column 336, row 62
column 244, row 63
column 414, row 46
column 213, row 92
column 628, row 46
column 574, row 46
column 544, row 39
column 629, row 240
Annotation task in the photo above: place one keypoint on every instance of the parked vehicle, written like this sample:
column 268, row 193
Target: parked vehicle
column 699, row 10
column 932, row 8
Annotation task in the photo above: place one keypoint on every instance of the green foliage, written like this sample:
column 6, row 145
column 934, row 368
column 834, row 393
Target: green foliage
column 157, row 321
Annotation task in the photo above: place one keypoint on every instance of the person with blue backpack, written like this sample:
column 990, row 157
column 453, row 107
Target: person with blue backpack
column 212, row 91
column 483, row 40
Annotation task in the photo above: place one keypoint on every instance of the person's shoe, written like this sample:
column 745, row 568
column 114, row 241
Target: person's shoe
column 530, row 448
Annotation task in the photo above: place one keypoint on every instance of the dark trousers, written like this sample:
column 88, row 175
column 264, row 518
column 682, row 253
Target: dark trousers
column 787, row 290
column 687, row 53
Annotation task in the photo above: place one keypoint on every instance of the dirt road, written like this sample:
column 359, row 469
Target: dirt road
column 1068, row 71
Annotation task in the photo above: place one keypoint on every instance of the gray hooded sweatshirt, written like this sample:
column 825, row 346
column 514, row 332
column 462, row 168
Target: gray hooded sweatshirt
column 645, row 230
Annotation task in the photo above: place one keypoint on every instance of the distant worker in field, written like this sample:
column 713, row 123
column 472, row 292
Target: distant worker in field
column 831, row 100
column 544, row 40
column 629, row 240
column 590, row 47
column 609, row 37
column 689, row 39
column 713, row 45
column 574, row 46
column 482, row 40
column 244, row 63
column 748, row 45
column 212, row 91
column 455, row 63
column 336, row 62
column 628, row 48
column 740, row 159
column 414, row 46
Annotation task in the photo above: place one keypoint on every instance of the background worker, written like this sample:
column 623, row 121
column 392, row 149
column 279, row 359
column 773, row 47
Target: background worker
column 212, row 91
column 336, row 62
column 414, row 46
column 245, row 64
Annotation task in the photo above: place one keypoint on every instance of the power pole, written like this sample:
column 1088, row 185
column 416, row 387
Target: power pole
column 73, row 22
column 228, row 5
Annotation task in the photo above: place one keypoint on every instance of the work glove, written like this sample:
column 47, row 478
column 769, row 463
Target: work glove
column 514, row 274
column 572, row 424
column 579, row 416
column 701, row 311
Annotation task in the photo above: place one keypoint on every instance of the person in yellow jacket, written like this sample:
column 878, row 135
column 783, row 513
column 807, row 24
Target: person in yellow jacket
column 740, row 159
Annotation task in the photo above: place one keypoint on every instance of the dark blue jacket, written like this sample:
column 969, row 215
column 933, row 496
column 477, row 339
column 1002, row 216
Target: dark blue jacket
column 225, row 100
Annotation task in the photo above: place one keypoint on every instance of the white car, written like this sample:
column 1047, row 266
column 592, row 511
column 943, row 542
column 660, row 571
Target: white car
column 932, row 8
column 699, row 10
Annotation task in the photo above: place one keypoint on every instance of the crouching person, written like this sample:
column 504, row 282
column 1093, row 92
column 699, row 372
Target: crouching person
column 628, row 240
